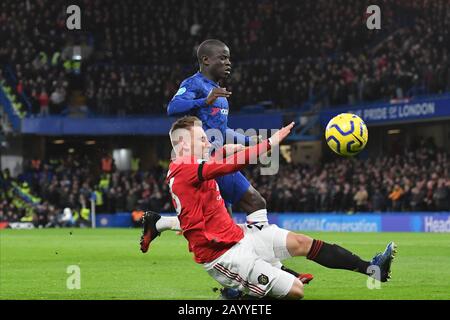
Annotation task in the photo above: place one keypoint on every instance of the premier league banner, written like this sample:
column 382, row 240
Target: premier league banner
column 395, row 112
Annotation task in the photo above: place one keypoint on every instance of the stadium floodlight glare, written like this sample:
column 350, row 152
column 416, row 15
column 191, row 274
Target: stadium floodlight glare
column 58, row 141
column 89, row 142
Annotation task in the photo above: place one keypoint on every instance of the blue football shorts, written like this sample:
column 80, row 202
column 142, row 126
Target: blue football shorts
column 232, row 187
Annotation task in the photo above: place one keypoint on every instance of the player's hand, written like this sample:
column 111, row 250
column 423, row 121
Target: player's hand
column 216, row 93
column 281, row 134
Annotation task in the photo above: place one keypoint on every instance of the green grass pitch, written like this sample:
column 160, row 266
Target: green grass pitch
column 33, row 265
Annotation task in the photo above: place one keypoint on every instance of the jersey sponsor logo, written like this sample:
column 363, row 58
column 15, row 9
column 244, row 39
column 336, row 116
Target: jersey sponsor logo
column 263, row 279
column 180, row 91
column 215, row 111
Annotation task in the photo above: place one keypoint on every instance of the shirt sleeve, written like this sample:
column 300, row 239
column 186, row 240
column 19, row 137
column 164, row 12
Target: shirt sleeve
column 184, row 100
column 237, row 137
column 188, row 172
column 214, row 168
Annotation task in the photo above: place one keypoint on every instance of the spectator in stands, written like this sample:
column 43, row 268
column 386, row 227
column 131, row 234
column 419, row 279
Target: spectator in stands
column 43, row 103
column 378, row 201
column 441, row 196
column 396, row 196
column 107, row 163
column 361, row 199
column 347, row 199
column 429, row 204
column 57, row 99
column 417, row 198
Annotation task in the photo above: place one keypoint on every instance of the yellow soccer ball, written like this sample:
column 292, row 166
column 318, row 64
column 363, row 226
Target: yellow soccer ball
column 346, row 134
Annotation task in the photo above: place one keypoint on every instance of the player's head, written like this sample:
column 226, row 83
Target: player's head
column 214, row 58
column 188, row 138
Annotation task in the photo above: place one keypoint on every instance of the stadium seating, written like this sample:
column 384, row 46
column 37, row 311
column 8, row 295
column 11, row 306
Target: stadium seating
column 141, row 51
column 417, row 180
column 316, row 54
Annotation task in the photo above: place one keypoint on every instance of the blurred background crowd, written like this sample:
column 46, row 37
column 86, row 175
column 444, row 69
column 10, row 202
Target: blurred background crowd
column 416, row 179
column 131, row 56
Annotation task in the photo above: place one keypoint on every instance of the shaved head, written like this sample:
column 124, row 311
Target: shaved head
column 206, row 48
column 214, row 59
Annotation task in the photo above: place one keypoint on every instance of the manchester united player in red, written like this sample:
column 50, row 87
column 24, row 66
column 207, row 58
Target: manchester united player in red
column 236, row 256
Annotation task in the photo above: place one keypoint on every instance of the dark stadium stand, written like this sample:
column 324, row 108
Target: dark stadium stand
column 316, row 53
column 313, row 55
column 416, row 181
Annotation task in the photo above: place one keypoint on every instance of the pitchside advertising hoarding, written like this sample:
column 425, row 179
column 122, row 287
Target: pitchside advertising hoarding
column 393, row 222
column 371, row 222
column 419, row 109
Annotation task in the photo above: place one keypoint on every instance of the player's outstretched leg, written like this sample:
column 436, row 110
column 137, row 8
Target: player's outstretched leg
column 336, row 257
column 383, row 261
column 153, row 224
column 149, row 230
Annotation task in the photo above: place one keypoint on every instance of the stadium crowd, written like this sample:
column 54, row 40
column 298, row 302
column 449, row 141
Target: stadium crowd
column 313, row 52
column 33, row 40
column 71, row 182
column 416, row 180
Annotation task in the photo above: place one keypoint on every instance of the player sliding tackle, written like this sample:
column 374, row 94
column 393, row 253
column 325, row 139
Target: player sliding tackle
column 201, row 95
column 242, row 257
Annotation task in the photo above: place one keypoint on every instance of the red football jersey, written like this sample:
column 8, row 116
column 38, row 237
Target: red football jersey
column 205, row 221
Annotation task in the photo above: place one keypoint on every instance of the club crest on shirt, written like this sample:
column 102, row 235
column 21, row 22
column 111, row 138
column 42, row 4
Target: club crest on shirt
column 180, row 91
column 263, row 279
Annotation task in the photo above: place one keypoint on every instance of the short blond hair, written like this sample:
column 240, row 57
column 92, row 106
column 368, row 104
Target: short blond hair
column 186, row 122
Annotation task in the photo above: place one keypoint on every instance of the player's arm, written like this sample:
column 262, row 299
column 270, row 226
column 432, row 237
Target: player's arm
column 212, row 169
column 226, row 151
column 236, row 137
column 184, row 100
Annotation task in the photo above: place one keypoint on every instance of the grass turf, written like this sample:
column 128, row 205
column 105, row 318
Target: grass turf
column 33, row 265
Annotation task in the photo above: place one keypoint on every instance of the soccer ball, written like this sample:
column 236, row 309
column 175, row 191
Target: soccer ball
column 346, row 134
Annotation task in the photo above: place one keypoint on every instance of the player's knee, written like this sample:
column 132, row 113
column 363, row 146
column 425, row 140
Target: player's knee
column 297, row 290
column 298, row 244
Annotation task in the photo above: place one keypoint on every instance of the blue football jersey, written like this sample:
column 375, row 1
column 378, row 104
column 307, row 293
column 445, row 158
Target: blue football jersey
column 190, row 99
